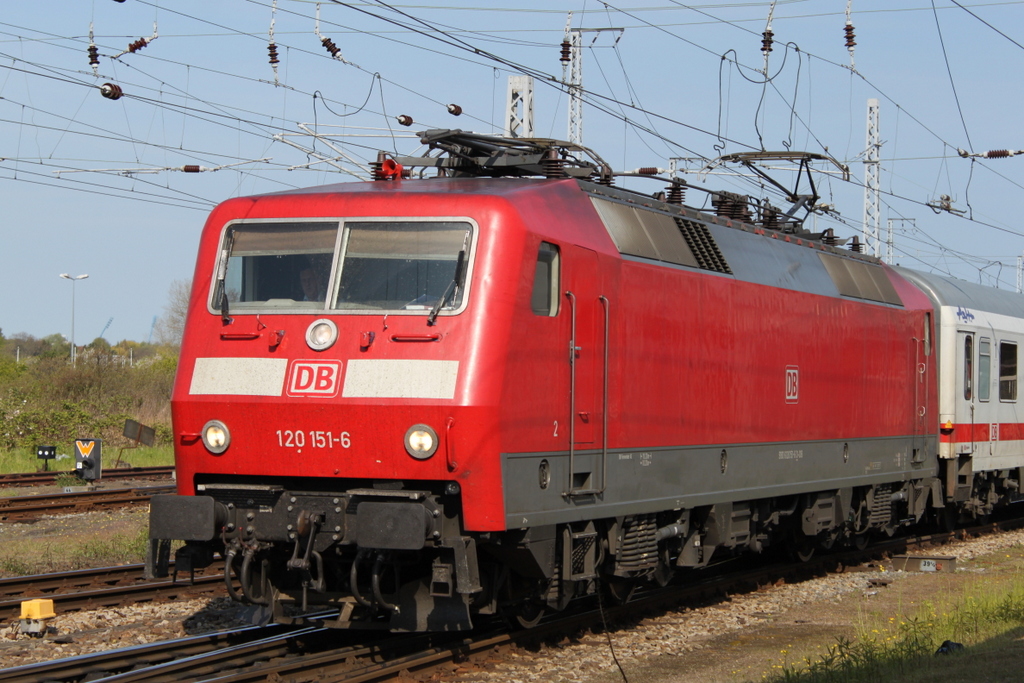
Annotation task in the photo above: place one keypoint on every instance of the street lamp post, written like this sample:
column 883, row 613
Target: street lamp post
column 73, row 280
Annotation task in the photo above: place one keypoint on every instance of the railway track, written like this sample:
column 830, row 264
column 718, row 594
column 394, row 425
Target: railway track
column 309, row 652
column 260, row 653
column 22, row 508
column 157, row 657
column 49, row 478
column 104, row 587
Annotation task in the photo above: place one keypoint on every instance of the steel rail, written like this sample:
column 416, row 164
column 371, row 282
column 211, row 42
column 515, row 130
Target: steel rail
column 43, row 478
column 124, row 595
column 78, row 579
column 111, row 662
column 339, row 665
column 14, row 508
column 104, row 587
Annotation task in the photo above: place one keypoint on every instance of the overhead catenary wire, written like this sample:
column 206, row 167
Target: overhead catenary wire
column 633, row 113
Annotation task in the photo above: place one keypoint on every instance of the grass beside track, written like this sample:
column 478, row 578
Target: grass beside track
column 984, row 613
column 67, row 542
column 24, row 460
column 63, row 543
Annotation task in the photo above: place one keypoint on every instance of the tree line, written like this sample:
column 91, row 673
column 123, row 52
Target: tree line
column 44, row 399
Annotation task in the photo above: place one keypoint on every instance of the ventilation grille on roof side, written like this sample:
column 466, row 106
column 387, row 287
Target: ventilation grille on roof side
column 703, row 246
column 860, row 280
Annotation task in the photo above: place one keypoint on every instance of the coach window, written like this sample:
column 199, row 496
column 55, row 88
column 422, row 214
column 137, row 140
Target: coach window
column 1007, row 371
column 544, row 299
column 984, row 369
column 969, row 367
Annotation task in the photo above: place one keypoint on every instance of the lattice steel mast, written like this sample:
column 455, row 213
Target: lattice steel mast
column 871, row 184
column 519, row 107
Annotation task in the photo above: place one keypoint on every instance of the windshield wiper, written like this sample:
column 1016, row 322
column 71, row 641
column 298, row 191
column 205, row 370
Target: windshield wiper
column 450, row 290
column 225, row 317
column 222, row 268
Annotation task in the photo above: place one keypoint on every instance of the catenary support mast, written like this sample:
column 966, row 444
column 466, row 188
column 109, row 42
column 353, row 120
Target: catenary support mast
column 872, row 238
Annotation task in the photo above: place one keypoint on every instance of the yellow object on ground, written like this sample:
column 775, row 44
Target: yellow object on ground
column 40, row 608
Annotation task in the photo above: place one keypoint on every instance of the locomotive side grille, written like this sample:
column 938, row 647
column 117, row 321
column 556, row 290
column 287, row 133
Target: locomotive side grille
column 580, row 547
column 579, row 553
column 639, row 546
column 881, row 505
column 703, row 246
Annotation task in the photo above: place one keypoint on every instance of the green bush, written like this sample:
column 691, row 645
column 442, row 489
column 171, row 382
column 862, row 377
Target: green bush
column 46, row 400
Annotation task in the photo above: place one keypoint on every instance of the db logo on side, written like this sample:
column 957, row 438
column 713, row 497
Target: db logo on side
column 792, row 384
column 320, row 379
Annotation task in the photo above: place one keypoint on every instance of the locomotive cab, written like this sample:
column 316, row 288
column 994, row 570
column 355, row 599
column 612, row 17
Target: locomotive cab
column 338, row 407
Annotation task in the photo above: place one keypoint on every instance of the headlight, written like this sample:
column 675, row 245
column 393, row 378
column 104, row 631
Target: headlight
column 321, row 334
column 216, row 437
column 420, row 441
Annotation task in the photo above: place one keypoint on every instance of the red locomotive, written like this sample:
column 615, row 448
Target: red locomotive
column 419, row 400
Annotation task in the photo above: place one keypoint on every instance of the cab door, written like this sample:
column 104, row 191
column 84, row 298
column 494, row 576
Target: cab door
column 966, row 394
column 586, row 354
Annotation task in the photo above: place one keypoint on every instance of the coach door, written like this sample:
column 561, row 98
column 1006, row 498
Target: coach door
column 965, row 393
column 923, row 354
column 587, row 354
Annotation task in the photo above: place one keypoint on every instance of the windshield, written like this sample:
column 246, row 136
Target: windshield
column 385, row 265
column 278, row 265
column 400, row 265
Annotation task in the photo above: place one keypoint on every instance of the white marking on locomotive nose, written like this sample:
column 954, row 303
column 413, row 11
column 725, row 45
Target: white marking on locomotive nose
column 239, row 376
column 367, row 378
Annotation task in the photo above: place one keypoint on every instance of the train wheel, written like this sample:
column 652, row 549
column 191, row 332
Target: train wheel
column 803, row 550
column 528, row 614
column 620, row 590
column 860, row 541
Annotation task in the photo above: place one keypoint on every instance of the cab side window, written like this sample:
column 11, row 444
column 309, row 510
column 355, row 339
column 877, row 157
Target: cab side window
column 1007, row 371
column 544, row 298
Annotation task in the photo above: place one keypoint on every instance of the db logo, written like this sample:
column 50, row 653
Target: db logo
column 314, row 378
column 792, row 383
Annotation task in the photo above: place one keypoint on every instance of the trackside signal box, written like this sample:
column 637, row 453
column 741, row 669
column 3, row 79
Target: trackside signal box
column 88, row 464
column 46, row 454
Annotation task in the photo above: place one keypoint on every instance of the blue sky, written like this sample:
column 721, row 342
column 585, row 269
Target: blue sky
column 677, row 81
